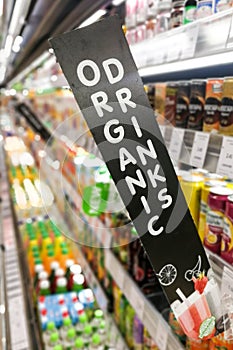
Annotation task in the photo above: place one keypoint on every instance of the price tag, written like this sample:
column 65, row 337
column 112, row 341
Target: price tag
column 189, row 40
column 199, row 149
column 227, row 281
column 225, row 163
column 176, row 143
column 174, row 47
column 136, row 299
column 161, row 336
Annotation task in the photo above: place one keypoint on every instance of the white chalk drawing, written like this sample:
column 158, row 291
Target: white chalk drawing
column 167, row 275
column 195, row 272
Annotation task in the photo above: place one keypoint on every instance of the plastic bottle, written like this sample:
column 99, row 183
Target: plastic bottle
column 78, row 282
column 82, row 322
column 38, row 269
column 67, row 324
column 53, row 341
column 54, row 266
column 96, row 342
column 102, row 331
column 87, row 332
column 58, row 347
column 79, row 344
column 69, row 339
column 98, row 317
column 68, row 273
column 58, row 274
column 50, row 329
column 64, row 257
column 190, row 9
column 48, row 260
column 61, row 285
column 44, row 287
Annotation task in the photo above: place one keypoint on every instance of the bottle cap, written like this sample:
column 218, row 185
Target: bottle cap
column 64, row 251
column 79, row 343
column 38, row 262
column 98, row 313
column 59, row 273
column 44, row 284
column 96, row 339
column 83, row 318
column 79, row 279
column 88, row 329
column 43, row 275
column 67, row 321
column 54, row 337
column 58, row 347
column 102, row 324
column 39, row 268
column 50, row 253
column 75, row 269
column 61, row 282
column 54, row 265
column 50, row 326
column 36, row 255
column 69, row 263
column 71, row 333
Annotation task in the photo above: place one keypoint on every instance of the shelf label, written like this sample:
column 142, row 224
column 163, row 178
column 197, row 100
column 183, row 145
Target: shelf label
column 225, row 163
column 227, row 281
column 174, row 47
column 136, row 299
column 199, row 149
column 176, row 143
column 161, row 336
column 162, row 129
column 189, row 41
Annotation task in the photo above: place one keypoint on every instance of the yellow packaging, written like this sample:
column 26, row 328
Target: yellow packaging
column 191, row 186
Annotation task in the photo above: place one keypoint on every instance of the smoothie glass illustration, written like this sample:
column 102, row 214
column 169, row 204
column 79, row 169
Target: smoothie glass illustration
column 191, row 312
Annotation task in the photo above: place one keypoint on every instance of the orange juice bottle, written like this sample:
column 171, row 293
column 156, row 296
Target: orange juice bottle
column 58, row 240
column 64, row 257
column 50, row 257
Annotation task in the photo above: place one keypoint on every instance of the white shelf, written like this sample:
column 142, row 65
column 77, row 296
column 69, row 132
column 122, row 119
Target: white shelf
column 209, row 36
column 212, row 153
column 15, row 307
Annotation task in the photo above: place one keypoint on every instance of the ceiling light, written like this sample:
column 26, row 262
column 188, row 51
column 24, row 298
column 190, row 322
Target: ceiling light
column 93, row 18
column 200, row 62
column 8, row 45
column 117, row 2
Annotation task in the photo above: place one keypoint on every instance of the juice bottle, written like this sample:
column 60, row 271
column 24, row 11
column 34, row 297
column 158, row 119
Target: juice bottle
column 227, row 236
column 69, row 340
column 44, row 287
column 61, row 285
column 48, row 260
column 129, row 319
column 67, row 324
column 214, row 221
column 137, row 333
column 219, row 343
column 54, row 266
column 38, row 269
column 79, row 344
column 204, row 205
column 64, row 257
column 53, row 341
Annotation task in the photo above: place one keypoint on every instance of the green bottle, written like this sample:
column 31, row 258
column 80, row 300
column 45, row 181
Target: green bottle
column 79, row 343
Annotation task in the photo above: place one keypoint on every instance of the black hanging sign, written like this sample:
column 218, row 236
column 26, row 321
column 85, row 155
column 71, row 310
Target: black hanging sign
column 101, row 72
column 33, row 120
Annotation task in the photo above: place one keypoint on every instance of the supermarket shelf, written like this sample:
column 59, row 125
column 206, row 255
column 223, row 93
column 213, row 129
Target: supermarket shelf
column 220, row 267
column 101, row 298
column 212, row 152
column 208, row 36
column 153, row 321
column 15, row 306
